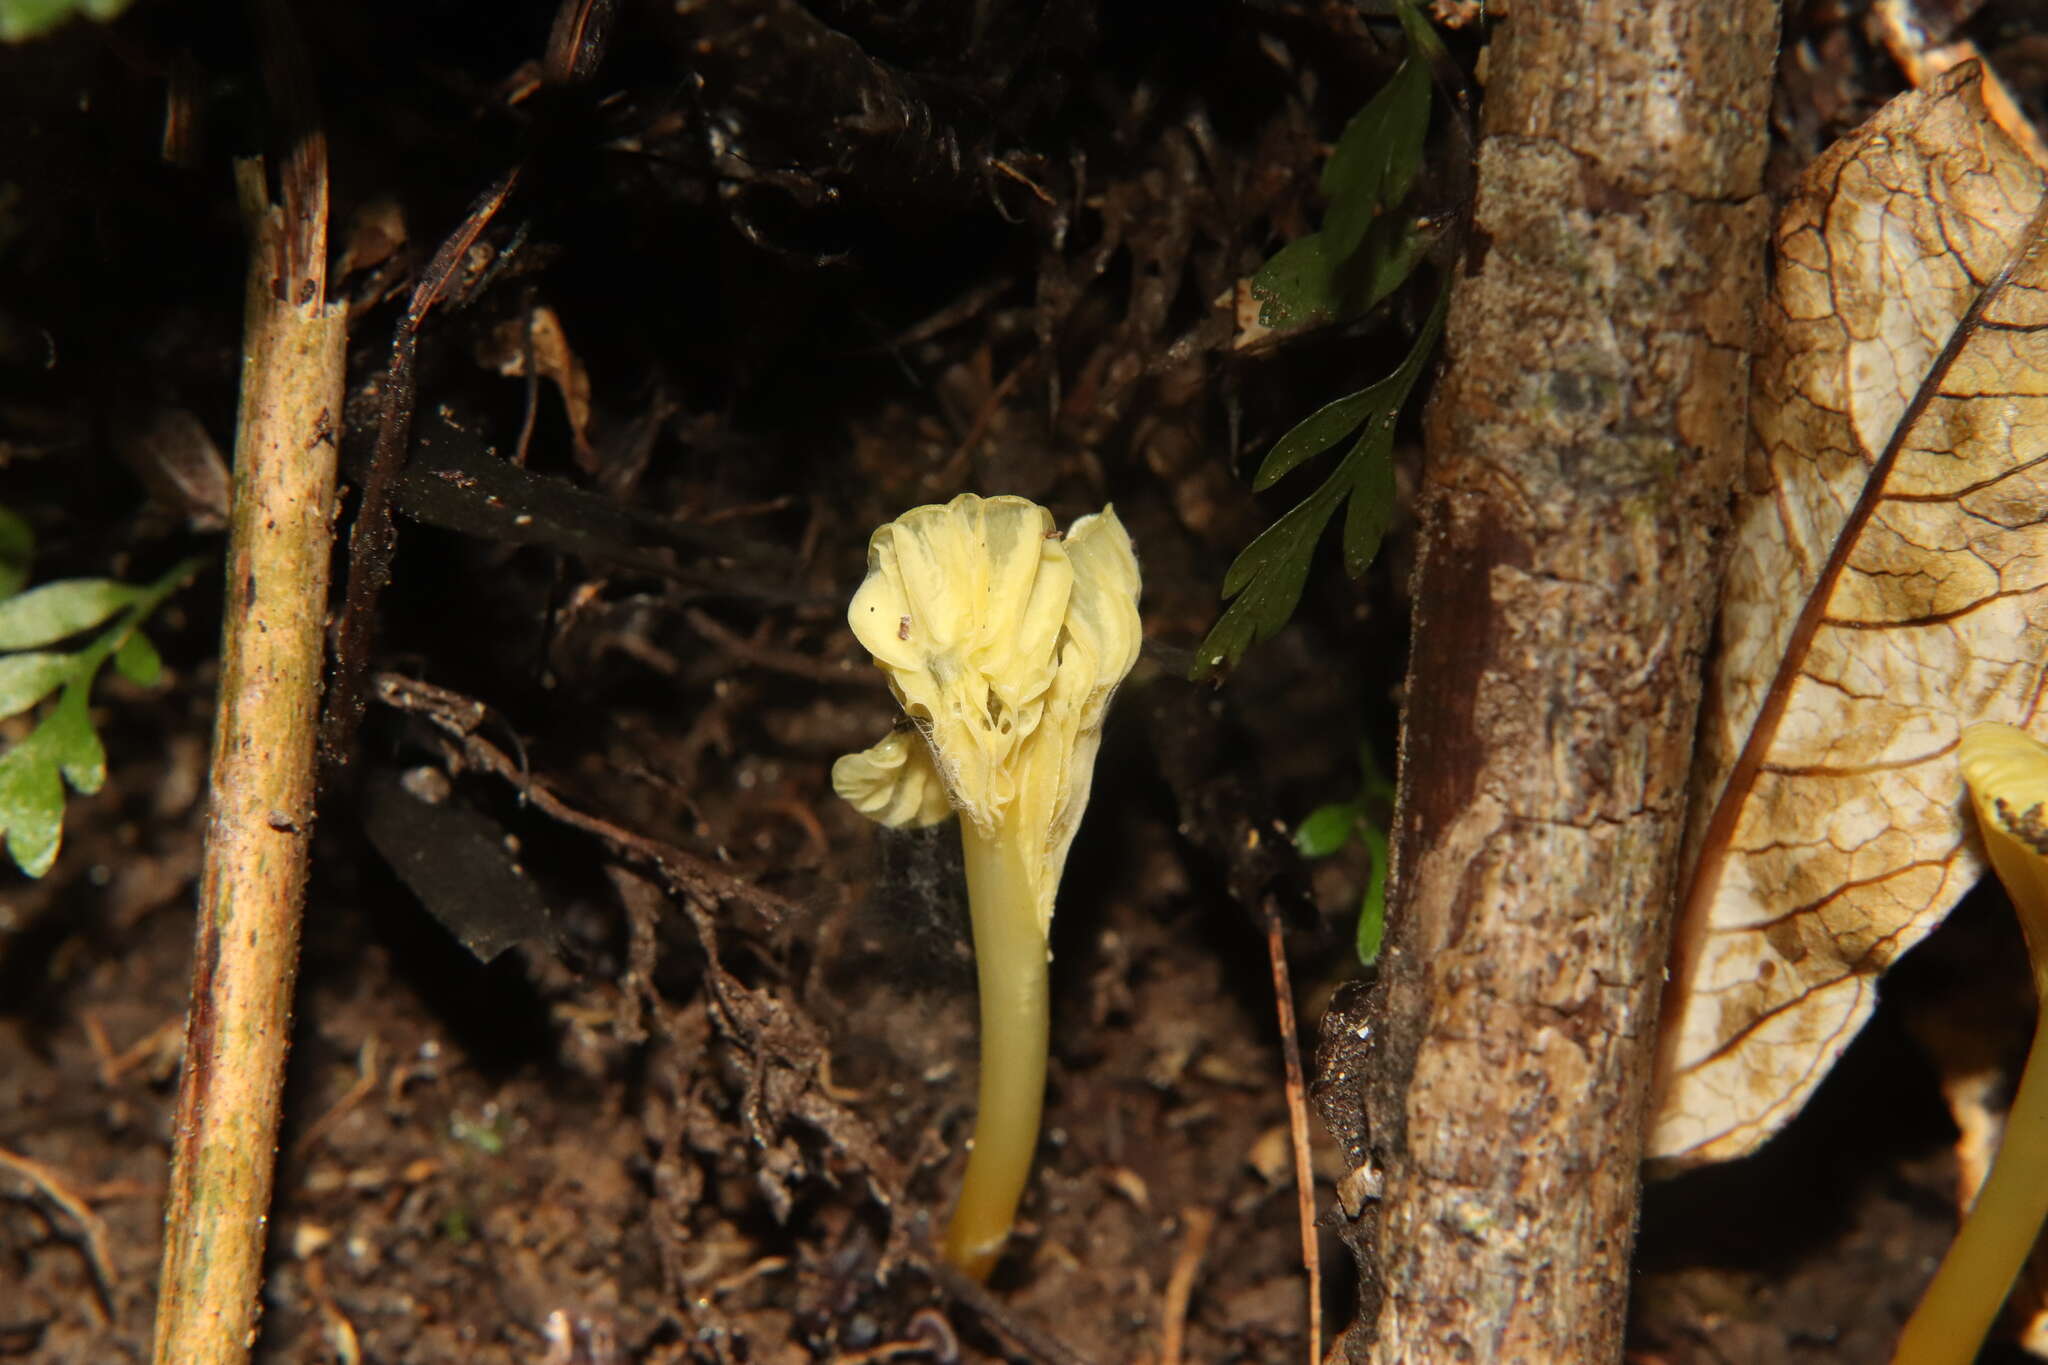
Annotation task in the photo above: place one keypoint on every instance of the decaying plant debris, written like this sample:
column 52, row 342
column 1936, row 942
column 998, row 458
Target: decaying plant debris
column 723, row 286
column 1893, row 484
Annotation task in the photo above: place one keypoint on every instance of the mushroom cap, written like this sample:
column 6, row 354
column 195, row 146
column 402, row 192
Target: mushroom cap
column 1004, row 642
column 2006, row 770
column 962, row 609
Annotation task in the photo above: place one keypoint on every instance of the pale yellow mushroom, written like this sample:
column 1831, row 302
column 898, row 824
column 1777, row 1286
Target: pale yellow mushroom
column 1004, row 642
column 2007, row 773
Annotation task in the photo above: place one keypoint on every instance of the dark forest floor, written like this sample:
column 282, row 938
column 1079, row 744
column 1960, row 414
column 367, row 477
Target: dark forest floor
column 614, row 1147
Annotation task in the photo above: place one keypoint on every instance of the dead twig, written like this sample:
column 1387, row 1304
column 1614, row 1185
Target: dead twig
column 781, row 502
column 113, row 1066
column 962, row 309
column 685, row 873
column 374, row 538
column 335, row 1326
column 365, row 1084
column 577, row 41
column 769, row 657
column 745, row 1275
column 1297, row 1125
column 1034, row 1341
column 53, row 1188
column 1196, row 1225
column 576, row 46
column 531, row 413
column 1509, row 1158
column 817, row 847
column 260, row 824
column 983, row 417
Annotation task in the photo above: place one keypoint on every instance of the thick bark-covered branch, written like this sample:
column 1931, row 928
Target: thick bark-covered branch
column 1582, row 447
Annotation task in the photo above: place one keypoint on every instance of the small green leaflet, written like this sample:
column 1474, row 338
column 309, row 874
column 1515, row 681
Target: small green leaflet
column 24, row 19
column 1330, row 424
column 32, row 803
column 1327, row 829
column 1376, row 160
column 1372, row 907
column 45, row 615
column 63, row 747
column 1364, row 251
column 1298, row 287
column 17, row 547
column 1265, row 581
column 1303, row 286
column 138, row 662
column 26, row 679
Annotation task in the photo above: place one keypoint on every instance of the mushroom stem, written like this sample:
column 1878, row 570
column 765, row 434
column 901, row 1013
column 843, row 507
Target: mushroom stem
column 1965, row 1295
column 2007, row 773
column 1010, row 959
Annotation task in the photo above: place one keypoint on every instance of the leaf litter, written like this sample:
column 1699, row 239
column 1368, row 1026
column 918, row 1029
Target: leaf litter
column 689, row 1152
column 620, row 1155
column 1888, row 585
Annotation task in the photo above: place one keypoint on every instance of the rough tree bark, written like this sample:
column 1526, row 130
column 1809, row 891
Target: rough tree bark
column 1582, row 447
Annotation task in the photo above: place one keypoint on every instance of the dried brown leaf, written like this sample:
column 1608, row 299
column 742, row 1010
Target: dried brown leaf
column 174, row 455
column 1888, row 585
column 553, row 360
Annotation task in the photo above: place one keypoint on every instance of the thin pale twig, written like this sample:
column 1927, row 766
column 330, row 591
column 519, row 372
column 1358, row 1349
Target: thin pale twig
column 339, row 1331
column 365, row 1083
column 46, row 1179
column 113, row 1066
column 781, row 502
column 889, row 1350
column 1196, row 1225
column 531, row 414
column 771, row 658
column 1297, row 1125
column 960, row 310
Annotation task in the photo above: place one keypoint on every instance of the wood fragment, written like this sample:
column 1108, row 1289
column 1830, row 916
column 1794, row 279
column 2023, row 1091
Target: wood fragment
column 260, row 817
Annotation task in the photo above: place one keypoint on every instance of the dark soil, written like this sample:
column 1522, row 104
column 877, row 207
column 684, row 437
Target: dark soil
column 720, row 1126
